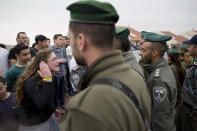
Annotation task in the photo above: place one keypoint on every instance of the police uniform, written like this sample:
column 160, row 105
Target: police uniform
column 175, row 53
column 161, row 84
column 100, row 107
column 183, row 51
column 188, row 109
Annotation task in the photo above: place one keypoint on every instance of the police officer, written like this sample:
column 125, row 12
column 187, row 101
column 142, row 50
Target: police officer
column 161, row 81
column 103, row 105
column 185, row 58
column 188, row 109
column 123, row 44
column 179, row 73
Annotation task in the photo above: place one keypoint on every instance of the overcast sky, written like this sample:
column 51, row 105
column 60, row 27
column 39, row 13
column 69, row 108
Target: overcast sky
column 49, row 17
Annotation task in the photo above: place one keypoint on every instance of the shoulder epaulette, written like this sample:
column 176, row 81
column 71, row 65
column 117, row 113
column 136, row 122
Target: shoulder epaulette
column 157, row 73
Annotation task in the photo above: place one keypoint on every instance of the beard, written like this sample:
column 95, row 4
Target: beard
column 80, row 60
column 191, row 53
column 147, row 59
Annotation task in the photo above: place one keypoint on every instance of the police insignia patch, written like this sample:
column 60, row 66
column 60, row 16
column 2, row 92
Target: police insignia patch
column 75, row 79
column 159, row 94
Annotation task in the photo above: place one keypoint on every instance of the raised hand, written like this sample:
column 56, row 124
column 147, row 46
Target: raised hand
column 44, row 71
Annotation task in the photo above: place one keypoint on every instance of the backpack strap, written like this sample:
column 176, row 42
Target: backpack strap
column 125, row 89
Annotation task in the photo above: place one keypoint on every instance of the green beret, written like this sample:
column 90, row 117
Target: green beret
column 173, row 51
column 153, row 37
column 122, row 33
column 92, row 11
column 183, row 47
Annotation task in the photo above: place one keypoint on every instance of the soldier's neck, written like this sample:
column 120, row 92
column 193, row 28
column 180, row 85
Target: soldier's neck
column 157, row 59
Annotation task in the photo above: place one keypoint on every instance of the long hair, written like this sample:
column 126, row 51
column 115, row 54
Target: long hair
column 175, row 60
column 31, row 72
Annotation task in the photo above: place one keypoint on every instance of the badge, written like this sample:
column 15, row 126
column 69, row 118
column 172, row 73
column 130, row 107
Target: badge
column 159, row 94
column 75, row 79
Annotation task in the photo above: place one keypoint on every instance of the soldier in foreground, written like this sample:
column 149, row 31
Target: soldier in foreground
column 160, row 80
column 113, row 97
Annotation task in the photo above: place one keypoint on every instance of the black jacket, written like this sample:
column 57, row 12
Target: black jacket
column 38, row 103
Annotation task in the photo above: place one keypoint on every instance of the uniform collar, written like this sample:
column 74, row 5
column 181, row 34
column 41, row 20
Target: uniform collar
column 151, row 67
column 128, row 56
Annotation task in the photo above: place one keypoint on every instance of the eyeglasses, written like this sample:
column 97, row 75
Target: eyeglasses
column 53, row 59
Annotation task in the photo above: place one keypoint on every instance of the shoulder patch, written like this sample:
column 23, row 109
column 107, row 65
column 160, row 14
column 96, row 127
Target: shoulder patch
column 75, row 78
column 159, row 94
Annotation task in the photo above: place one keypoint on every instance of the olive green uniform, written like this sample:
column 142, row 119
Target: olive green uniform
column 162, row 87
column 131, row 60
column 102, row 108
column 177, row 77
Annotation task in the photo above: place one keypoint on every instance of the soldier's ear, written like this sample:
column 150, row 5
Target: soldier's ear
column 81, row 41
column 155, row 53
